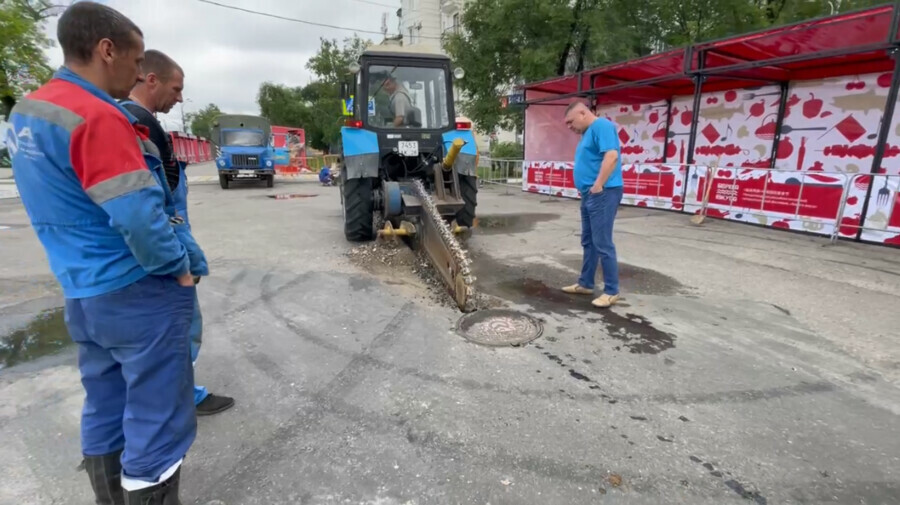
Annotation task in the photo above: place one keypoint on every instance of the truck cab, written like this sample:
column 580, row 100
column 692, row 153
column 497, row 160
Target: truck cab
column 244, row 152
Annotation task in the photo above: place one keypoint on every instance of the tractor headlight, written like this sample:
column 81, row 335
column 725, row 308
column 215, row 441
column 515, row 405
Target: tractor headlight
column 221, row 163
column 268, row 163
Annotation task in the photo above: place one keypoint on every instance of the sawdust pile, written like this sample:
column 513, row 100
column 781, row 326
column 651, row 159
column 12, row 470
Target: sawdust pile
column 396, row 263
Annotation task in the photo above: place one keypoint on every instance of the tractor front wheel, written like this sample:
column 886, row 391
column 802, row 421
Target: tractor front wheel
column 223, row 181
column 359, row 209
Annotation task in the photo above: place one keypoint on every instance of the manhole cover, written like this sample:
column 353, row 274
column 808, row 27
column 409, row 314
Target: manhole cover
column 499, row 327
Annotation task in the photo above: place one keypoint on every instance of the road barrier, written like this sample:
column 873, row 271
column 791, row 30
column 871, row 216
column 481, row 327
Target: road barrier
column 502, row 172
column 832, row 204
column 191, row 149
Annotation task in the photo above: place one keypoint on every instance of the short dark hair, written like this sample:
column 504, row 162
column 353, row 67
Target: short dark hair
column 157, row 62
column 574, row 104
column 84, row 24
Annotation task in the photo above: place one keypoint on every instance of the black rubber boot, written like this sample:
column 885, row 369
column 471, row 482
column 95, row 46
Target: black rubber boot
column 105, row 474
column 164, row 493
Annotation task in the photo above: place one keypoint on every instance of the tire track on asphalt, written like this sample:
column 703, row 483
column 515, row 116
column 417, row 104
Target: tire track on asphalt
column 254, row 464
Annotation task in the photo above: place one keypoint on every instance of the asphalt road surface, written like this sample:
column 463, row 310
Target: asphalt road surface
column 745, row 365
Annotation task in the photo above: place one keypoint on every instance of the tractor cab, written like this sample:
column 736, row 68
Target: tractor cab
column 406, row 100
column 402, row 129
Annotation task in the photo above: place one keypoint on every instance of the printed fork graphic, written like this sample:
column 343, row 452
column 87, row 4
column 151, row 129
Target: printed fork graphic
column 884, row 194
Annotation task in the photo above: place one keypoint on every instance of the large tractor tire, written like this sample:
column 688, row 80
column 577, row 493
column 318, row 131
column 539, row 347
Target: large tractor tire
column 359, row 209
column 468, row 189
column 223, row 181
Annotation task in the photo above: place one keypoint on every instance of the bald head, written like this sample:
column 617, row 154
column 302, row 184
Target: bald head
column 579, row 117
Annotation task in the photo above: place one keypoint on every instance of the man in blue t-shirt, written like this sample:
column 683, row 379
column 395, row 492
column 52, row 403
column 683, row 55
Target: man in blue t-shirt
column 598, row 177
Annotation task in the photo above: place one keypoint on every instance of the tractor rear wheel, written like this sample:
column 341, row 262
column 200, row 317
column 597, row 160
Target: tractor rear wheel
column 359, row 209
column 468, row 189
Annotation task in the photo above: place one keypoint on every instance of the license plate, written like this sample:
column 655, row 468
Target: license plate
column 246, row 172
column 408, row 148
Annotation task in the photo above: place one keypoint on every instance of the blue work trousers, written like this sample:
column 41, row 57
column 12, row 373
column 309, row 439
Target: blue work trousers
column 135, row 363
column 598, row 212
column 200, row 392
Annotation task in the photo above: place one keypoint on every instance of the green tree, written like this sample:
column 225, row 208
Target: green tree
column 496, row 53
column 315, row 107
column 23, row 65
column 202, row 120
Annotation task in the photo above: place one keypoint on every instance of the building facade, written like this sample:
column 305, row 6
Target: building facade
column 423, row 25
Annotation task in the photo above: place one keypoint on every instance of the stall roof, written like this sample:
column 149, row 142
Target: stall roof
column 851, row 43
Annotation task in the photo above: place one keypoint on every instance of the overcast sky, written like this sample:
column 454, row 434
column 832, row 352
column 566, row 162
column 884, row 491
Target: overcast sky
column 226, row 54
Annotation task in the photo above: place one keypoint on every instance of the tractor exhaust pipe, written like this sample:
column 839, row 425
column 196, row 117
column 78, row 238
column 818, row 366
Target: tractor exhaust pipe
column 450, row 159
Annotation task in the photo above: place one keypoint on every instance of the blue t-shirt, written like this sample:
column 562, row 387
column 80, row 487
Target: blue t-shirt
column 599, row 138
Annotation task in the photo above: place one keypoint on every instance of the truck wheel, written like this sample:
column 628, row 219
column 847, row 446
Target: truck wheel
column 223, row 181
column 270, row 181
column 468, row 189
column 359, row 209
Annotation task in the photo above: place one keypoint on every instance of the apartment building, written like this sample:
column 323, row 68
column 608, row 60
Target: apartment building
column 423, row 25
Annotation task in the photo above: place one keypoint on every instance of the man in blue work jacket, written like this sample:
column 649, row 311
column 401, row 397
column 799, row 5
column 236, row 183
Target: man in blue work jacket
column 126, row 265
column 159, row 90
column 598, row 178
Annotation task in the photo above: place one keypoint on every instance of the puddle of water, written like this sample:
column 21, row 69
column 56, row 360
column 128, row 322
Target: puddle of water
column 634, row 279
column 289, row 196
column 510, row 223
column 45, row 334
column 519, row 284
column 638, row 334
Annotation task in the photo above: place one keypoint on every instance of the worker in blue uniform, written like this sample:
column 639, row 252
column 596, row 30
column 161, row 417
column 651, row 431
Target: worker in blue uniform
column 159, row 90
column 95, row 195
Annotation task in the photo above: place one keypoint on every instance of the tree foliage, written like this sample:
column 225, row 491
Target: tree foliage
column 315, row 107
column 556, row 37
column 202, row 120
column 23, row 65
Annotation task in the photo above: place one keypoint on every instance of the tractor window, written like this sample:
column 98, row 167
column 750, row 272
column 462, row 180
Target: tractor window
column 243, row 138
column 407, row 97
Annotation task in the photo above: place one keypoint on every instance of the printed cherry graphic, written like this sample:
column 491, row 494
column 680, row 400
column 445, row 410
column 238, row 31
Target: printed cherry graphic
column 884, row 80
column 731, row 96
column 654, row 117
column 758, row 109
column 826, row 113
column 852, row 200
column 686, row 117
column 855, row 85
column 812, row 107
column 636, row 107
column 712, row 100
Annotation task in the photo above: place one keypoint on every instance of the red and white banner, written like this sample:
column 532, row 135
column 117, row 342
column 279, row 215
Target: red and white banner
column 789, row 200
column 645, row 185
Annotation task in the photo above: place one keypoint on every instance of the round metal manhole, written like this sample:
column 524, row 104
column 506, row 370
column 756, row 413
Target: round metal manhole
column 499, row 327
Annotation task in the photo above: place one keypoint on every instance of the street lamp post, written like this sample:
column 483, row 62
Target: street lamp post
column 183, row 124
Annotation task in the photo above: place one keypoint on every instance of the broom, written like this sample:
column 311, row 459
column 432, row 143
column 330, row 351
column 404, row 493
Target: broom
column 698, row 218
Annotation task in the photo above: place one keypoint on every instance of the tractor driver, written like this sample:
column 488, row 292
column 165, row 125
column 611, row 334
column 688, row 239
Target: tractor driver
column 401, row 104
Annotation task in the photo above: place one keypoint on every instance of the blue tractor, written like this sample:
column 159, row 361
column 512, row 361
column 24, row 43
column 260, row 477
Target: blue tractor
column 402, row 133
column 243, row 150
